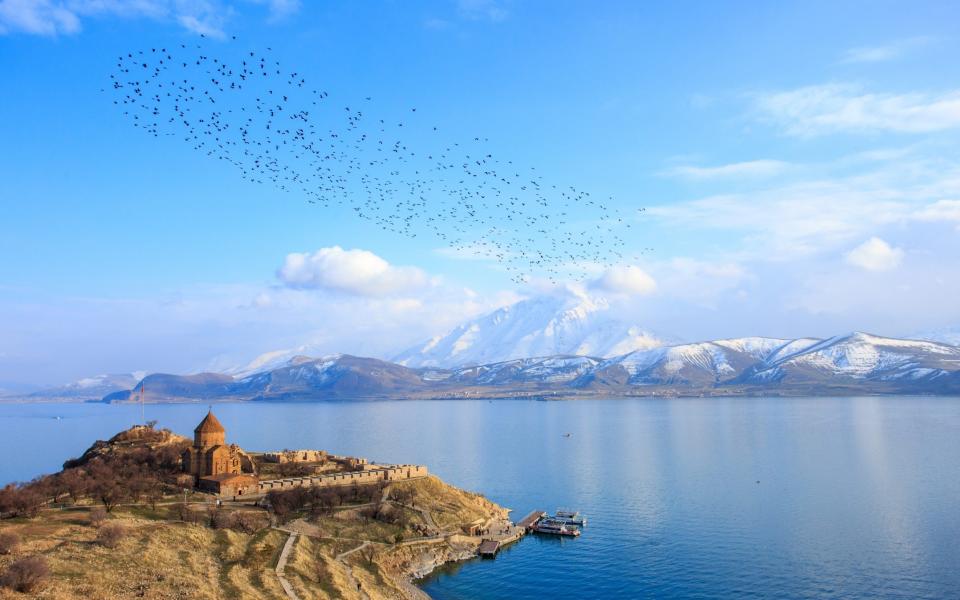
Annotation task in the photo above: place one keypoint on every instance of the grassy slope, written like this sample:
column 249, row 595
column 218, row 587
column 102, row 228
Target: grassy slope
column 161, row 559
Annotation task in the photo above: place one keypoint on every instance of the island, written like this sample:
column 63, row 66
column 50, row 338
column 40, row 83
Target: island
column 152, row 514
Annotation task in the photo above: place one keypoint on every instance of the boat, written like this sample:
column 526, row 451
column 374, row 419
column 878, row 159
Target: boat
column 570, row 517
column 554, row 527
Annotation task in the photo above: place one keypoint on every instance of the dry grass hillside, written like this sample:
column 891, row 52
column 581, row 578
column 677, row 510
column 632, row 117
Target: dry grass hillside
column 358, row 549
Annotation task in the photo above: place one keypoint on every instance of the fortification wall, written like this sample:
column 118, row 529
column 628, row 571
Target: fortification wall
column 295, row 456
column 369, row 476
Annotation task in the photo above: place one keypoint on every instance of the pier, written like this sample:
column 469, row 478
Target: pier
column 502, row 535
column 530, row 520
column 507, row 532
column 488, row 548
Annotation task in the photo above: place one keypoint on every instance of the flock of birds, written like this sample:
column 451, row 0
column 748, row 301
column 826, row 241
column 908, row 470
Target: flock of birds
column 278, row 130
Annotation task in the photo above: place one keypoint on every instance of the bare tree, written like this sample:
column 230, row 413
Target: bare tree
column 74, row 484
column 368, row 552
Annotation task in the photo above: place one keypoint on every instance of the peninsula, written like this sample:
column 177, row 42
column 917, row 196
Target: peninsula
column 152, row 514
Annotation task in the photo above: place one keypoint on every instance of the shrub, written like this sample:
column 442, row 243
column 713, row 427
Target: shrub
column 220, row 519
column 248, row 522
column 110, row 535
column 97, row 516
column 25, row 575
column 183, row 512
column 8, row 542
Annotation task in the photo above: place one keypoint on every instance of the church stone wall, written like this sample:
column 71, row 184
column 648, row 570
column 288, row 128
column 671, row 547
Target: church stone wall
column 369, row 476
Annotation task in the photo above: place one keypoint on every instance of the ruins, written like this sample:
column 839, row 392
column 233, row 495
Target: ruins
column 229, row 472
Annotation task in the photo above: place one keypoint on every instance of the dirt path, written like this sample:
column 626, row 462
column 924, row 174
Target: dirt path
column 349, row 570
column 282, row 565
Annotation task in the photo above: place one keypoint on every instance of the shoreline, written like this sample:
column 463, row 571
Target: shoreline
column 507, row 396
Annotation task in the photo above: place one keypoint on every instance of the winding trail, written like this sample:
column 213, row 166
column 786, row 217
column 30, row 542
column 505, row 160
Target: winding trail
column 282, row 565
column 349, row 570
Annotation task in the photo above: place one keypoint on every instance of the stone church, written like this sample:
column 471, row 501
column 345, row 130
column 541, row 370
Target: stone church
column 215, row 466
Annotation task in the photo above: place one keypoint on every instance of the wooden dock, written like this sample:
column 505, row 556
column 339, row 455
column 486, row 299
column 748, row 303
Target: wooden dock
column 530, row 520
column 506, row 534
column 488, row 548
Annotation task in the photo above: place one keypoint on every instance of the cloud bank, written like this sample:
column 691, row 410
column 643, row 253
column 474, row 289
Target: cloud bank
column 841, row 108
column 358, row 272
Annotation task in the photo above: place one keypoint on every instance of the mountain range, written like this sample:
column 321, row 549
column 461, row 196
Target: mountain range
column 570, row 345
column 857, row 363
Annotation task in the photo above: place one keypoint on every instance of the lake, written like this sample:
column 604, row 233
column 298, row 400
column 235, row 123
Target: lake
column 686, row 498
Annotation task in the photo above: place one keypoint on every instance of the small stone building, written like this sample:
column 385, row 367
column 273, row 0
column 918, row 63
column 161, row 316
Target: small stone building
column 215, row 466
column 230, row 485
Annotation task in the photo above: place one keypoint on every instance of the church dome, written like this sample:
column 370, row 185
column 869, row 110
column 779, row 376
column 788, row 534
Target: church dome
column 209, row 424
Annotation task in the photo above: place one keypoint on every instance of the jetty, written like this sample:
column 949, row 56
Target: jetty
column 528, row 522
column 503, row 536
column 537, row 521
column 488, row 548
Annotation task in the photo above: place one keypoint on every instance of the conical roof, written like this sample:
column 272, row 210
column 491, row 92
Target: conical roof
column 209, row 424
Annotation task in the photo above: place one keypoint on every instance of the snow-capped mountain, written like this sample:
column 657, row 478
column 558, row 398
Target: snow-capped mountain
column 807, row 362
column 89, row 388
column 855, row 363
column 337, row 375
column 541, row 326
column 269, row 361
column 860, row 356
column 703, row 363
column 551, row 369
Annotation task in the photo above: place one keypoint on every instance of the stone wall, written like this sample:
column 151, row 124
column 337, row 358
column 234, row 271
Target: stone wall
column 368, row 476
column 296, row 456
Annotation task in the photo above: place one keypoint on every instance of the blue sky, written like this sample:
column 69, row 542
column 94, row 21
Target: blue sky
column 798, row 163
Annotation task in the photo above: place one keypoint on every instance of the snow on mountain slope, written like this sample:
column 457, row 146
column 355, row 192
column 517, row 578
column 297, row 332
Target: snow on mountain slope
column 701, row 363
column 269, row 361
column 337, row 375
column 861, row 356
column 550, row 369
column 91, row 387
column 540, row 326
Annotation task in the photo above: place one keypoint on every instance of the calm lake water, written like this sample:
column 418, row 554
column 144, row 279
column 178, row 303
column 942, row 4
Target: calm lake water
column 695, row 498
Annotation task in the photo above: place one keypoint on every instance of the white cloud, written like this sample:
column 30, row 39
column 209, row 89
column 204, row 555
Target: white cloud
column 355, row 271
column 824, row 215
column 833, row 108
column 39, row 17
column 875, row 255
column 627, row 280
column 883, row 53
column 55, row 17
column 940, row 211
column 747, row 169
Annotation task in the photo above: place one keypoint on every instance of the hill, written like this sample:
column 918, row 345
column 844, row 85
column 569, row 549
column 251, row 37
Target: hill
column 100, row 533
